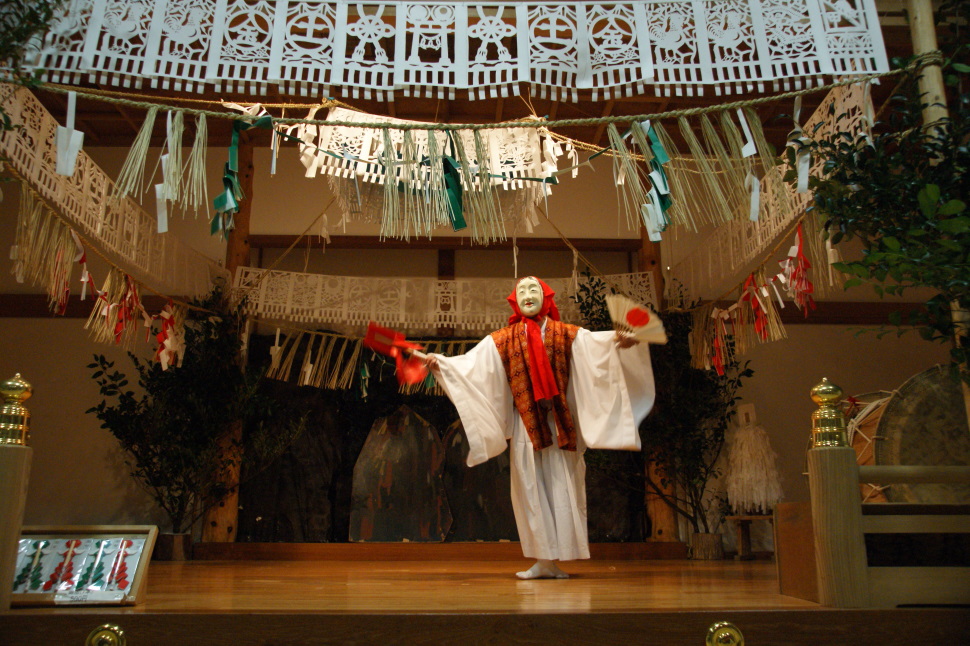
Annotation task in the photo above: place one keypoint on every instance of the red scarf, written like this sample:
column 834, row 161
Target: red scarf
column 543, row 380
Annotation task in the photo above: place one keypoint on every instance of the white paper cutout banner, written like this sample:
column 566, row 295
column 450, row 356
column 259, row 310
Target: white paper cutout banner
column 118, row 228
column 713, row 266
column 311, row 47
column 472, row 306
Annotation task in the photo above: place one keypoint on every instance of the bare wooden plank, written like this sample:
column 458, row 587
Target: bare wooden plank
column 893, row 586
column 916, row 524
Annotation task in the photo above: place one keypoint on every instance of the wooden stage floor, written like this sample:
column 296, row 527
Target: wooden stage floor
column 454, row 601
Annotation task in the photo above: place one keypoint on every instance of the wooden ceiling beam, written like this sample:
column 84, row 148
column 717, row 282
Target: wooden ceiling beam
column 627, row 245
column 553, row 110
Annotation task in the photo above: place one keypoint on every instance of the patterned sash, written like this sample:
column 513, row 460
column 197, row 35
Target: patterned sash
column 512, row 346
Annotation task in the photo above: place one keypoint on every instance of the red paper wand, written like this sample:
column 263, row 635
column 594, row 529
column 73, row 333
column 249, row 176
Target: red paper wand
column 393, row 344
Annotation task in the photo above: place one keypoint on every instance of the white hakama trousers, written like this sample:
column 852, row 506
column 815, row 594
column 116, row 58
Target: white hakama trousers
column 610, row 392
column 549, row 500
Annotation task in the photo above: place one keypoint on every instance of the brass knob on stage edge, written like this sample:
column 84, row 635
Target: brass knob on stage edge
column 14, row 418
column 724, row 633
column 106, row 635
column 828, row 422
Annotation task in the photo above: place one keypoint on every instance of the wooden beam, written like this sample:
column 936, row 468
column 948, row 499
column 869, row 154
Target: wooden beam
column 219, row 522
column 446, row 271
column 625, row 245
column 553, row 110
column 238, row 244
column 36, row 306
column 124, row 114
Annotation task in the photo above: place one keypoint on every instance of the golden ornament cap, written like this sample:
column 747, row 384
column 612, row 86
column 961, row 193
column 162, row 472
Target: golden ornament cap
column 828, row 422
column 825, row 392
column 14, row 417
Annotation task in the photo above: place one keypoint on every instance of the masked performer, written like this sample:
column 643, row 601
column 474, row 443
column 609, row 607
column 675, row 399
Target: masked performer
column 549, row 390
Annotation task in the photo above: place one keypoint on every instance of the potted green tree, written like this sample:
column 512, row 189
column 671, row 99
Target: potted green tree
column 901, row 190
column 685, row 434
column 171, row 431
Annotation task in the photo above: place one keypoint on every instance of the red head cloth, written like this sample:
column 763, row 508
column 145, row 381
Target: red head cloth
column 543, row 380
column 548, row 302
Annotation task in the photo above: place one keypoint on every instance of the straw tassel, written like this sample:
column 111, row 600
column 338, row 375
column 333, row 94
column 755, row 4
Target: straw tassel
column 732, row 173
column 435, row 189
column 172, row 175
column 196, row 192
column 45, row 251
column 779, row 190
column 627, row 177
column 489, row 200
column 391, row 224
column 412, row 176
column 700, row 336
column 131, row 179
column 722, row 208
column 689, row 198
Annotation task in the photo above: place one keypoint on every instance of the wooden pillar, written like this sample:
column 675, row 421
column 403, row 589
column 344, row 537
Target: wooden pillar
column 833, row 482
column 220, row 522
column 14, row 474
column 663, row 519
column 649, row 261
column 840, row 550
column 923, row 32
column 446, row 271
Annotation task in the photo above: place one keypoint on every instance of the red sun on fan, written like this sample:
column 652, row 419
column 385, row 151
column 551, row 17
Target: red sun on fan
column 637, row 317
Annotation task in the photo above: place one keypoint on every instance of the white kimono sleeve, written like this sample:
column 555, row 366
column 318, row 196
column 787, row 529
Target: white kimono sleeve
column 476, row 384
column 611, row 388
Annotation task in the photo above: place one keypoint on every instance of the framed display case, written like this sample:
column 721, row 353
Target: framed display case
column 80, row 565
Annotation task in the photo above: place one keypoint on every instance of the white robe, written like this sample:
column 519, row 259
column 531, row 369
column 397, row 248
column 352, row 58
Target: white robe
column 610, row 391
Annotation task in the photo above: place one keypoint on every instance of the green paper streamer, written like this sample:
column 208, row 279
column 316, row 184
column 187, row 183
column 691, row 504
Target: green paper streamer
column 656, row 147
column 453, row 188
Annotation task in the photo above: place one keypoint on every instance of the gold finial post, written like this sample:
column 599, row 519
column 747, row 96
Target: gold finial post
column 828, row 422
column 14, row 417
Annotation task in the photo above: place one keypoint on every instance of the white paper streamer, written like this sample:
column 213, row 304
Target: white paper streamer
column 753, row 184
column 161, row 205
column 749, row 148
column 68, row 140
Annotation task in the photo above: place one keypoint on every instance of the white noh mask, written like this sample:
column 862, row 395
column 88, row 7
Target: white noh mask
column 528, row 295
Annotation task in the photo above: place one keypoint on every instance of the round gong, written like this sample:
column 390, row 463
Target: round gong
column 925, row 423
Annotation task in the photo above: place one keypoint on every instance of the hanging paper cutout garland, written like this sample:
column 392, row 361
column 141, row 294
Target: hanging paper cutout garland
column 750, row 295
column 171, row 339
column 794, row 275
column 68, row 140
